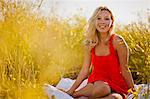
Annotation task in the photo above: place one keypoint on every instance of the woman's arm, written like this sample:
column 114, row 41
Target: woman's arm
column 85, row 68
column 123, row 54
column 83, row 73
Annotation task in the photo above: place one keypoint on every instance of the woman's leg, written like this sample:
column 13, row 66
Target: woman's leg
column 100, row 89
column 85, row 91
column 82, row 98
column 112, row 96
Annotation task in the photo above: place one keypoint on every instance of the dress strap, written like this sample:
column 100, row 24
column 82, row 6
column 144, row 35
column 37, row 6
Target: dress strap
column 112, row 50
column 111, row 38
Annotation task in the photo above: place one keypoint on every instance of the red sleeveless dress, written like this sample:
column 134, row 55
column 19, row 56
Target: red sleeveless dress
column 107, row 69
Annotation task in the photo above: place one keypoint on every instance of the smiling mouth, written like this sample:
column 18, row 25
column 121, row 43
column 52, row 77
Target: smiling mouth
column 102, row 27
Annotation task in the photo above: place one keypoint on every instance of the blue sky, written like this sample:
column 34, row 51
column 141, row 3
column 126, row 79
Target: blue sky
column 125, row 11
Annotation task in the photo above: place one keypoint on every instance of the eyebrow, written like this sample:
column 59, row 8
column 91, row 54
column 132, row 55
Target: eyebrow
column 104, row 16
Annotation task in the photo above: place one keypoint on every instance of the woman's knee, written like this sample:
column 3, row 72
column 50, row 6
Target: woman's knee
column 100, row 92
column 100, row 89
column 115, row 96
column 85, row 91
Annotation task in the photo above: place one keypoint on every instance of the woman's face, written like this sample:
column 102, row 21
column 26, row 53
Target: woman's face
column 103, row 21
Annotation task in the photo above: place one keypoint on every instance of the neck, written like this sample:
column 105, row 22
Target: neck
column 103, row 36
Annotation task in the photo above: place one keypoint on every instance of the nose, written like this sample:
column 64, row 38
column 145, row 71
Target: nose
column 101, row 21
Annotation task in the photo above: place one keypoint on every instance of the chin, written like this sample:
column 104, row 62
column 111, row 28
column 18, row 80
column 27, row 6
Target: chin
column 103, row 31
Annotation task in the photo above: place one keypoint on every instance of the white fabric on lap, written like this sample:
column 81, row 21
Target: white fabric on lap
column 53, row 91
column 66, row 83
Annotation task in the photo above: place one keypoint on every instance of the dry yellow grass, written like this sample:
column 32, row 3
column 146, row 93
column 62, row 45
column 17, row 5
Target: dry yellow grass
column 35, row 50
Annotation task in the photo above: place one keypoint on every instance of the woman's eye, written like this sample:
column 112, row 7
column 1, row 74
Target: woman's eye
column 98, row 18
column 106, row 18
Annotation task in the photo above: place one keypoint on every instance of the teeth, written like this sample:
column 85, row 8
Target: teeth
column 102, row 26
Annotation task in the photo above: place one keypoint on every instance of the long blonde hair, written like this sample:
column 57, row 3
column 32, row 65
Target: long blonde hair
column 91, row 31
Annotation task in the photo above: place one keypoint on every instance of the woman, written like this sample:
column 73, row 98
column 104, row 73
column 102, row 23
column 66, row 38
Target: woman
column 107, row 53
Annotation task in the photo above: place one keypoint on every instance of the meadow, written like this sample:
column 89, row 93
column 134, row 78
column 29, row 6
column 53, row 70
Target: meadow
column 35, row 50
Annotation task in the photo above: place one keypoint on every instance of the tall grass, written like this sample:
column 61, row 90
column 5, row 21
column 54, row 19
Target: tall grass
column 35, row 50
column 137, row 36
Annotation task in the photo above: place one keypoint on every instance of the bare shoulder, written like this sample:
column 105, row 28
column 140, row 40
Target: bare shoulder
column 119, row 41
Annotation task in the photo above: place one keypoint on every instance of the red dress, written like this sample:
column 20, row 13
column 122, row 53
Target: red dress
column 107, row 69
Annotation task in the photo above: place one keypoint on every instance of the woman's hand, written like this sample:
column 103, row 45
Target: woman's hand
column 70, row 92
